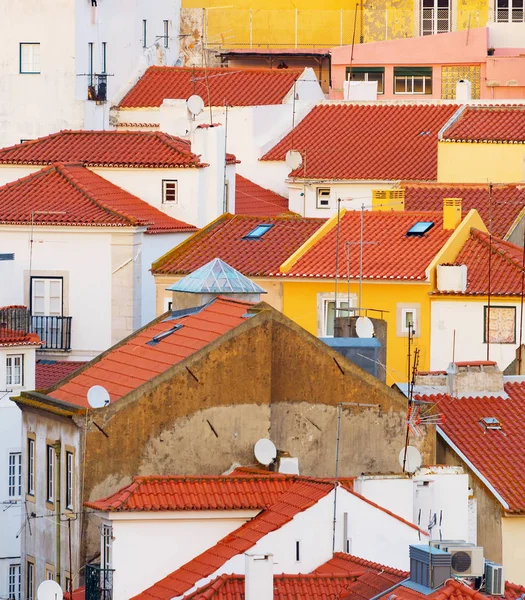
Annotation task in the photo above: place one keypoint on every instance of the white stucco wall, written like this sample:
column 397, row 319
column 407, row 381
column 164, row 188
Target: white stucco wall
column 466, row 318
column 11, row 441
column 167, row 541
column 35, row 105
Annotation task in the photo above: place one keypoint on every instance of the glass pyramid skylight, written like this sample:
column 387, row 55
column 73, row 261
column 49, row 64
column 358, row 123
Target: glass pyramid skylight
column 216, row 277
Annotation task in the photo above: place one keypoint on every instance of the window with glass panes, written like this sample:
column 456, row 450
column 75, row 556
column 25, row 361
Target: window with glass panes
column 413, row 80
column 31, row 466
column 50, row 472
column 367, row 74
column 15, row 475
column 30, row 581
column 14, row 369
column 13, row 584
column 69, row 479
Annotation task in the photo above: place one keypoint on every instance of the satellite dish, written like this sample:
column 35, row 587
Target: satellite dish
column 195, row 104
column 265, row 451
column 49, row 590
column 181, row 127
column 364, row 327
column 413, row 460
column 293, row 159
column 97, row 396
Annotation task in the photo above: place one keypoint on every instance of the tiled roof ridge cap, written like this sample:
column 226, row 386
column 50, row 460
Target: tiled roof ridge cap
column 267, row 71
column 498, row 246
column 63, row 171
column 370, row 564
column 46, row 170
column 171, row 142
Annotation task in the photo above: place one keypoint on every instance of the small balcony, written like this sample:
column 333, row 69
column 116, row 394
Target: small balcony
column 99, row 583
column 54, row 332
column 98, row 87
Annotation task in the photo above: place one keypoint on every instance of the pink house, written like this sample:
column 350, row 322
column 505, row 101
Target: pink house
column 429, row 67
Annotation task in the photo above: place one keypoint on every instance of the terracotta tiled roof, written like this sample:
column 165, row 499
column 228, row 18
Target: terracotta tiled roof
column 488, row 124
column 224, row 239
column 300, row 496
column 254, row 201
column 104, row 149
column 455, row 590
column 9, row 337
column 497, row 454
column 228, row 492
column 506, row 265
column 391, row 255
column 380, row 141
column 285, row 587
column 507, row 201
column 135, row 361
column 74, row 195
column 50, row 372
column 236, row 87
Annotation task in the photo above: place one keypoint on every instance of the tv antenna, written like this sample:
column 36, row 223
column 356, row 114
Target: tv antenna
column 49, row 590
column 98, row 396
column 265, row 451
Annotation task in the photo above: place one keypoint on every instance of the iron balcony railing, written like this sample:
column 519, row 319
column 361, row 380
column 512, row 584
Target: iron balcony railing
column 99, row 583
column 54, row 332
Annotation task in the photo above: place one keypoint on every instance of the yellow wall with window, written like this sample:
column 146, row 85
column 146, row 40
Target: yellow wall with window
column 513, row 534
column 463, row 162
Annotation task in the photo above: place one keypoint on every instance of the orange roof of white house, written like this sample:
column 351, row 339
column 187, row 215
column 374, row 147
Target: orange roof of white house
column 496, row 124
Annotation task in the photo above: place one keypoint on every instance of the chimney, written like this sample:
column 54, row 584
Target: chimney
column 258, row 579
column 451, row 213
column 463, row 91
column 474, row 378
column 208, row 141
column 451, row 278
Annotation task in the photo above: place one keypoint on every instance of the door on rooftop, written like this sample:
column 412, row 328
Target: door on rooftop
column 435, row 16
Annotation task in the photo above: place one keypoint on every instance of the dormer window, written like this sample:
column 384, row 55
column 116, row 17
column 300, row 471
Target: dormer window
column 169, row 191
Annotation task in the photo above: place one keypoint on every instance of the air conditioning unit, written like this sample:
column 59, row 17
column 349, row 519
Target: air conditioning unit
column 494, row 579
column 467, row 560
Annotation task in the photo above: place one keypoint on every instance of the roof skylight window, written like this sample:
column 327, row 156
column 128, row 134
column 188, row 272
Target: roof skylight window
column 490, row 423
column 420, row 228
column 158, row 338
column 258, row 232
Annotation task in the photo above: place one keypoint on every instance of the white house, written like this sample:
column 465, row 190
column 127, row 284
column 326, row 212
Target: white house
column 263, row 105
column 64, row 62
column 17, row 373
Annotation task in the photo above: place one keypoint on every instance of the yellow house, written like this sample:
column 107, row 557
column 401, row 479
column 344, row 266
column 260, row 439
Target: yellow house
column 311, row 281
column 482, row 144
column 300, row 24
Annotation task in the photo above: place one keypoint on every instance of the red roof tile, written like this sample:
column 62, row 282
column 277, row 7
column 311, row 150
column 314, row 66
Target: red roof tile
column 229, row 492
column 80, row 197
column 236, row 87
column 254, row 201
column 224, row 239
column 488, row 124
column 497, row 454
column 134, row 361
column 507, row 201
column 285, row 587
column 9, row 337
column 300, row 496
column 104, row 149
column 380, row 141
column 392, row 255
column 454, row 590
column 50, row 372
column 506, row 265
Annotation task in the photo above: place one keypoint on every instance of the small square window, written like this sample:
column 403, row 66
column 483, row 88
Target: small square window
column 409, row 320
column 169, row 191
column 14, row 370
column 166, row 34
column 323, row 197
column 30, row 58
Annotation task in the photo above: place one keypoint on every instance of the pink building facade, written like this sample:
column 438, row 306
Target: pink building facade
column 429, row 67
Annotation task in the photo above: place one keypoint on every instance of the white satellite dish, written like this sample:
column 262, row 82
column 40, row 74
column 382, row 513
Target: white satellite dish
column 49, row 590
column 413, row 459
column 181, row 127
column 98, row 396
column 364, row 327
column 265, row 451
column 293, row 159
column 195, row 104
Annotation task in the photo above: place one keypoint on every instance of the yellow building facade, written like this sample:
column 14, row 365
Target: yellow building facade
column 305, row 23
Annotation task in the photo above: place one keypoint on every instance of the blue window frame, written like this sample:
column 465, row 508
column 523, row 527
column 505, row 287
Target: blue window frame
column 258, row 232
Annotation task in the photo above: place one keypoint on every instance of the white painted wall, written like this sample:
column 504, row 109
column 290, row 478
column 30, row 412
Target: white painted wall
column 10, row 441
column 168, row 540
column 393, row 492
column 506, row 35
column 10, row 173
column 466, row 318
column 35, row 105
column 303, row 198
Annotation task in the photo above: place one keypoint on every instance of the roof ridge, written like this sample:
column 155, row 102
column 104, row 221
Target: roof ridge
column 484, row 238
column 168, row 141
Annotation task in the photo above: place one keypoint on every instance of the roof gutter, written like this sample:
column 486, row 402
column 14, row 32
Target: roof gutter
column 472, row 467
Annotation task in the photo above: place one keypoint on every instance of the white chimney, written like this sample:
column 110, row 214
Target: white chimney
column 258, row 579
column 463, row 91
column 360, row 90
column 208, row 141
column 452, row 278
column 174, row 118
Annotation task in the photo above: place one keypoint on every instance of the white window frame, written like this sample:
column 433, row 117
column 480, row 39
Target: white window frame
column 410, row 79
column 30, row 580
column 380, row 90
column 511, row 10
column 31, row 444
column 47, row 297
column 167, row 183
column 12, row 379
column 14, row 475
column 401, row 327
column 433, row 15
column 70, row 471
column 50, row 474
column 14, row 582
column 106, row 542
column 29, row 64
column 322, row 195
column 323, row 301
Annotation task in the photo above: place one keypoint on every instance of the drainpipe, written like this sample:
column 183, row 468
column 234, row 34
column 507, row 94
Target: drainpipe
column 58, row 449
